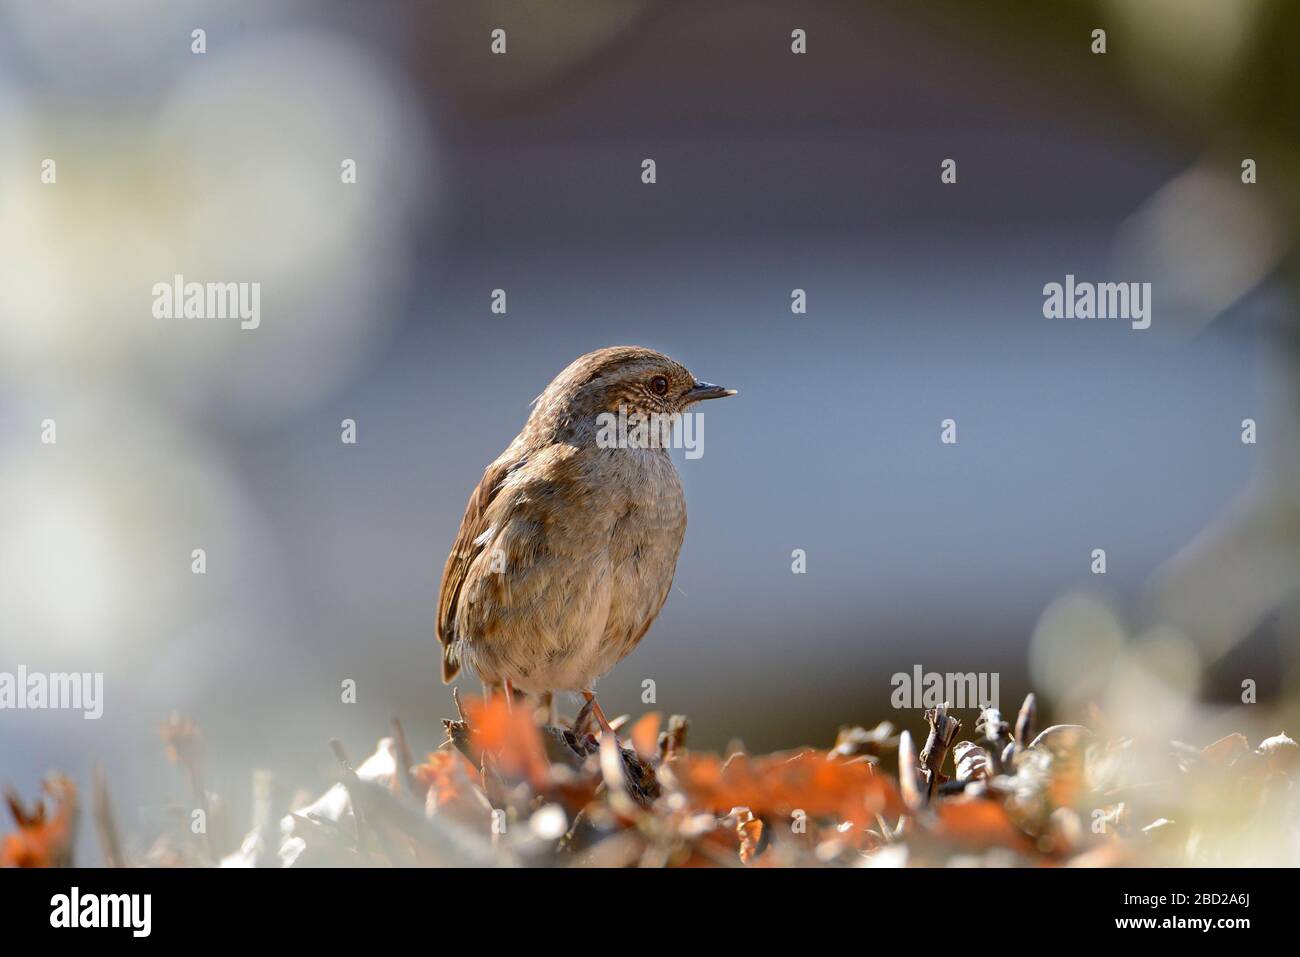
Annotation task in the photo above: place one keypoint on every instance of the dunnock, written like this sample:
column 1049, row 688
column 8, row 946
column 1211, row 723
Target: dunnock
column 568, row 545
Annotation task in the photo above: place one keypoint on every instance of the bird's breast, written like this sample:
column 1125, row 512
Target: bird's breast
column 644, row 546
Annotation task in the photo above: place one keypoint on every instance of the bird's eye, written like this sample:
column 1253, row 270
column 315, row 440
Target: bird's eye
column 659, row 385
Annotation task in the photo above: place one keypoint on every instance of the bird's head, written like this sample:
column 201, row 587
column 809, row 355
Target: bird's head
column 638, row 380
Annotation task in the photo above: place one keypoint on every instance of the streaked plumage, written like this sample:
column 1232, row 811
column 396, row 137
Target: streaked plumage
column 567, row 550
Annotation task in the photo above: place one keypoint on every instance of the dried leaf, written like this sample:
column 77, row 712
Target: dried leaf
column 510, row 736
column 1280, row 752
column 674, row 739
column 45, row 835
column 750, row 831
column 447, row 777
column 972, row 762
column 1027, row 721
column 645, row 736
column 778, row 785
column 1226, row 750
column 909, row 775
column 978, row 823
column 853, row 742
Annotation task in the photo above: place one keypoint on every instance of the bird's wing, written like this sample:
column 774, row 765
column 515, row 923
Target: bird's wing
column 470, row 542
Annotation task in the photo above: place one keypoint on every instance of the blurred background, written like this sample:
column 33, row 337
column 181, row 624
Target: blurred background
column 522, row 172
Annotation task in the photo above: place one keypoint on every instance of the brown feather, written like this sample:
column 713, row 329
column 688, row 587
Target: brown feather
column 463, row 553
column 587, row 534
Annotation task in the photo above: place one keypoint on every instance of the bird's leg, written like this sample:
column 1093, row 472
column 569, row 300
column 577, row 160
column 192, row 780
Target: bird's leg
column 579, row 725
column 548, row 701
column 510, row 696
column 600, row 716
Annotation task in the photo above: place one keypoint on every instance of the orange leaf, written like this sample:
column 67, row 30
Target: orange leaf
column 448, row 775
column 645, row 736
column 42, row 840
column 780, row 784
column 510, row 736
column 979, row 823
column 1226, row 750
column 750, row 831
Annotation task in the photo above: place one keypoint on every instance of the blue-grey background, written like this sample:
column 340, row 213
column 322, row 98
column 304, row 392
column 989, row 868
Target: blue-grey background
column 522, row 172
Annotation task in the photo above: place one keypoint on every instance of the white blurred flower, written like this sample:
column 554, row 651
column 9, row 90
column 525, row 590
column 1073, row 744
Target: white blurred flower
column 237, row 179
column 1204, row 240
column 1077, row 640
column 96, row 559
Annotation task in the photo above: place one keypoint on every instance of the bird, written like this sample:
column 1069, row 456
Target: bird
column 569, row 543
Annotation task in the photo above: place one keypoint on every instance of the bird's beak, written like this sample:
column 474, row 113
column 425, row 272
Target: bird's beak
column 707, row 390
